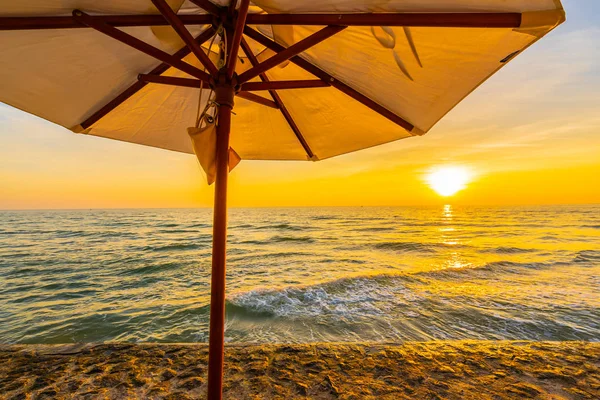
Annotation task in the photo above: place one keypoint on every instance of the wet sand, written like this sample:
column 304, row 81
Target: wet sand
column 431, row 370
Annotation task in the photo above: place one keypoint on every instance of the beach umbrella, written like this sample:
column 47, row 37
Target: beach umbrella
column 304, row 80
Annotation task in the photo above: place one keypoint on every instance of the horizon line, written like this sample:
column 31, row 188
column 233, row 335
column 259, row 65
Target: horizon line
column 308, row 206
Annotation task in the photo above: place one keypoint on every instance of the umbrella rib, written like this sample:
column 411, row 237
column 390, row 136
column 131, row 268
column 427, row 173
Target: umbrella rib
column 240, row 22
column 257, row 99
column 441, row 20
column 195, row 83
column 137, row 86
column 68, row 22
column 319, row 73
column 286, row 114
column 246, row 87
column 137, row 44
column 208, row 6
column 185, row 35
column 231, row 7
column 278, row 85
column 170, row 80
column 287, row 53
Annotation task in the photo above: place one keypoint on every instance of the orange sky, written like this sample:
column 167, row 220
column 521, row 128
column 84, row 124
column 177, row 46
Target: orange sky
column 530, row 135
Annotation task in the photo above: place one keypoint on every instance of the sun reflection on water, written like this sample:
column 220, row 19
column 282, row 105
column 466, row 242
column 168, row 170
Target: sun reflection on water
column 447, row 211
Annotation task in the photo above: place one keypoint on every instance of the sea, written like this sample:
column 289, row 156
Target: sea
column 298, row 275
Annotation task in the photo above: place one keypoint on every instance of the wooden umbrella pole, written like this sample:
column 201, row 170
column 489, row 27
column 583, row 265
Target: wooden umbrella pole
column 224, row 97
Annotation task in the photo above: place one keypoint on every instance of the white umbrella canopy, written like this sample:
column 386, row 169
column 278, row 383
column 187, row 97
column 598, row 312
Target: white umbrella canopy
column 308, row 79
column 417, row 74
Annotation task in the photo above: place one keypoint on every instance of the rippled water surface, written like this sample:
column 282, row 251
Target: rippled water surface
column 302, row 275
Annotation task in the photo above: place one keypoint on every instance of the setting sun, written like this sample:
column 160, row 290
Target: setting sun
column 447, row 181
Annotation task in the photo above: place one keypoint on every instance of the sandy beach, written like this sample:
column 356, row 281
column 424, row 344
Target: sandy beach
column 414, row 370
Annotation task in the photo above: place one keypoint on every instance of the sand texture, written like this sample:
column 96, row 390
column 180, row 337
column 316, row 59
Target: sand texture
column 432, row 370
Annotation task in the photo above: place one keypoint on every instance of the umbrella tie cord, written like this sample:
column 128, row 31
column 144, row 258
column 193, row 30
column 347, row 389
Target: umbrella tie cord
column 218, row 105
column 223, row 59
column 205, row 115
column 200, row 116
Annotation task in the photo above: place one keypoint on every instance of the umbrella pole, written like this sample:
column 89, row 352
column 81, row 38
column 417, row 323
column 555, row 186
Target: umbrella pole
column 224, row 97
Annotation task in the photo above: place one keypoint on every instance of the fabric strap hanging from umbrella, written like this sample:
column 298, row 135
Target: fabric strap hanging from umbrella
column 309, row 79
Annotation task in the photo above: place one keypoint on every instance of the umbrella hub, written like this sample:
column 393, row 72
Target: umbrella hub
column 225, row 19
column 225, row 88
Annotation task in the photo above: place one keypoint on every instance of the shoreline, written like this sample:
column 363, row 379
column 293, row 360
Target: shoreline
column 411, row 370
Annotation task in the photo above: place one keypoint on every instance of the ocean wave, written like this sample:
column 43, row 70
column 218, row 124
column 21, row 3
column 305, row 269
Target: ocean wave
column 375, row 229
column 406, row 247
column 509, row 250
column 116, row 235
column 277, row 239
column 281, row 227
column 341, row 261
column 255, row 242
column 323, row 217
column 20, row 271
column 552, row 238
column 282, row 254
column 189, row 312
column 416, row 246
column 176, row 246
column 347, row 298
column 587, row 256
column 591, row 226
column 168, row 225
column 71, row 233
column 151, row 269
column 199, row 225
column 65, row 233
column 37, row 232
column 359, row 297
column 177, row 231
column 242, row 226
column 403, row 307
column 120, row 223
column 494, row 267
column 303, row 239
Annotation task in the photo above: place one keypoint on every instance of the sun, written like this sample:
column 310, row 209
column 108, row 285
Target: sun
column 448, row 180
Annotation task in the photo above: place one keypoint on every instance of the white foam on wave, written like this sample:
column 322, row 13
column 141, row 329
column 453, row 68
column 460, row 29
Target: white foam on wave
column 348, row 298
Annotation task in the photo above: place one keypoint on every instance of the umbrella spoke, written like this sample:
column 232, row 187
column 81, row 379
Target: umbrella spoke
column 170, row 80
column 195, row 83
column 447, row 20
column 246, row 87
column 137, row 44
column 231, row 7
column 319, row 73
column 185, row 35
column 137, row 86
column 278, row 85
column 257, row 99
column 286, row 114
column 286, row 53
column 69, row 22
column 240, row 22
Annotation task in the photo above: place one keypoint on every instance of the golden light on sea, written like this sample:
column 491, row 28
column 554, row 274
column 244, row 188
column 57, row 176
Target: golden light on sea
column 448, row 180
